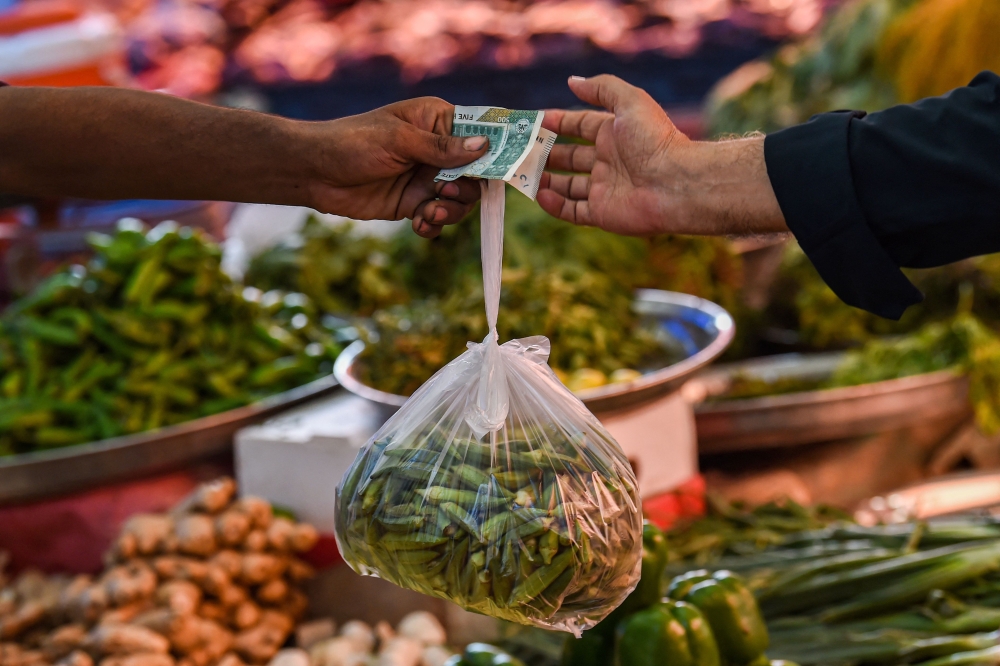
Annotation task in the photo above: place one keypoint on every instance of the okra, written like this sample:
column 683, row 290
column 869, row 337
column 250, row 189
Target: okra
column 499, row 529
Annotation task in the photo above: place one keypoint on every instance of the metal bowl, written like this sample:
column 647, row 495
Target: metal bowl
column 807, row 417
column 701, row 327
column 43, row 473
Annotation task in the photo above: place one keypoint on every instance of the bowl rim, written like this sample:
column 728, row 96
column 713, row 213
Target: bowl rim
column 647, row 300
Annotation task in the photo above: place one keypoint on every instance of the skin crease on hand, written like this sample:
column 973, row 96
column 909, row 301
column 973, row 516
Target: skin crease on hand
column 643, row 177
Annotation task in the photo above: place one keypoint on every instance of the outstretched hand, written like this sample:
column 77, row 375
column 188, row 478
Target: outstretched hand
column 642, row 176
column 382, row 164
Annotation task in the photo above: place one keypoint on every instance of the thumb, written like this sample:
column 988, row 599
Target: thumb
column 440, row 150
column 604, row 90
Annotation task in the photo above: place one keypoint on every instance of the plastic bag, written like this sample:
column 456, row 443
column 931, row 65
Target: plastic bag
column 494, row 486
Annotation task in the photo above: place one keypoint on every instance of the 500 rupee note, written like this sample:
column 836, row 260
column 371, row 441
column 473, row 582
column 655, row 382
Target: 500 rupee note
column 519, row 146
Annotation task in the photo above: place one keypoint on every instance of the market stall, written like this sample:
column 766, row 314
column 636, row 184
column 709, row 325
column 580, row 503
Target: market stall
column 214, row 417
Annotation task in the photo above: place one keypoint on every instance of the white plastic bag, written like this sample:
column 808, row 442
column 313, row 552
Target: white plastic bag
column 495, row 487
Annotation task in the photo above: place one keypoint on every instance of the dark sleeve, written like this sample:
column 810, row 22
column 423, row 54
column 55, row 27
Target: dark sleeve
column 916, row 185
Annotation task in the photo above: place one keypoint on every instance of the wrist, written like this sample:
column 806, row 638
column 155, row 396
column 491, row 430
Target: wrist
column 726, row 189
column 305, row 160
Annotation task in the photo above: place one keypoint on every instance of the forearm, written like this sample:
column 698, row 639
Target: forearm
column 103, row 143
column 726, row 190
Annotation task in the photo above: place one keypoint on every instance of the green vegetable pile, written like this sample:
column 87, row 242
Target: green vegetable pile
column 571, row 284
column 697, row 619
column 840, row 594
column 963, row 344
column 540, row 535
column 149, row 333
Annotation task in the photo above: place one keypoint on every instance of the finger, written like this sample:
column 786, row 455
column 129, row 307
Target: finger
column 571, row 157
column 604, row 90
column 443, row 211
column 578, row 124
column 427, row 113
column 574, row 187
column 443, row 151
column 424, row 229
column 571, row 210
column 465, row 190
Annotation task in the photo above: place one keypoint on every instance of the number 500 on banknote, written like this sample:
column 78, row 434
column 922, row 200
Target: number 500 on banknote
column 519, row 146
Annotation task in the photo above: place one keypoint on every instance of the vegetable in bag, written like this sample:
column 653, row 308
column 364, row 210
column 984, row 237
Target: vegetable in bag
column 494, row 487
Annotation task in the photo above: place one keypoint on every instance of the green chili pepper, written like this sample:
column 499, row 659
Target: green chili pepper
column 141, row 283
column 77, row 318
column 12, row 384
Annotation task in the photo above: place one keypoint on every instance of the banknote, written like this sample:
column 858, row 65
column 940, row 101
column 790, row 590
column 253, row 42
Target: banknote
column 513, row 136
column 528, row 176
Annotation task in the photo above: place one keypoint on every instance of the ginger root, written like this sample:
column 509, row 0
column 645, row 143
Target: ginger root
column 129, row 582
column 145, row 534
column 273, row 592
column 258, row 568
column 111, row 639
column 209, row 497
column 181, row 596
column 141, row 659
column 261, row 642
column 25, row 617
column 232, row 527
column 76, row 658
column 63, row 641
column 257, row 509
column 195, row 535
column 185, row 586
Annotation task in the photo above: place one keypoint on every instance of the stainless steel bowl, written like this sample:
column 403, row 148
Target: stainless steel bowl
column 44, row 473
column 701, row 327
column 807, row 417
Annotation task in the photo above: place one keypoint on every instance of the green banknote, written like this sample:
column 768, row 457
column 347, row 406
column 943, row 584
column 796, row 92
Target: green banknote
column 518, row 149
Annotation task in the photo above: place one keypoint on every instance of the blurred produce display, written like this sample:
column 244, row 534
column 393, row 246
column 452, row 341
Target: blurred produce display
column 834, row 69
column 149, row 333
column 572, row 284
column 954, row 328
column 215, row 581
column 838, row 593
column 418, row 640
column 191, row 48
column 940, row 45
column 868, row 55
column 734, row 530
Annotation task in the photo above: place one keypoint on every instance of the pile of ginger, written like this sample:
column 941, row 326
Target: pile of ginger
column 215, row 582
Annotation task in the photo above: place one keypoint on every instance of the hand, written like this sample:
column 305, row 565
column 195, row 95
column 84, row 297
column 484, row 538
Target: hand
column 381, row 165
column 642, row 176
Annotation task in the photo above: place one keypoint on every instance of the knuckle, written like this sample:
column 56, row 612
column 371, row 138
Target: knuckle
column 443, row 143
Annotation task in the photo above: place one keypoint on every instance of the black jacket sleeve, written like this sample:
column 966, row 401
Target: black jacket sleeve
column 916, row 185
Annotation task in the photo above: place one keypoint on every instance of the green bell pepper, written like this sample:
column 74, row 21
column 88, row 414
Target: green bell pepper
column 671, row 632
column 730, row 609
column 593, row 648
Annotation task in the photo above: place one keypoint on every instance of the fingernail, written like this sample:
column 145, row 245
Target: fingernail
column 449, row 190
column 440, row 214
column 474, row 143
column 577, row 78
